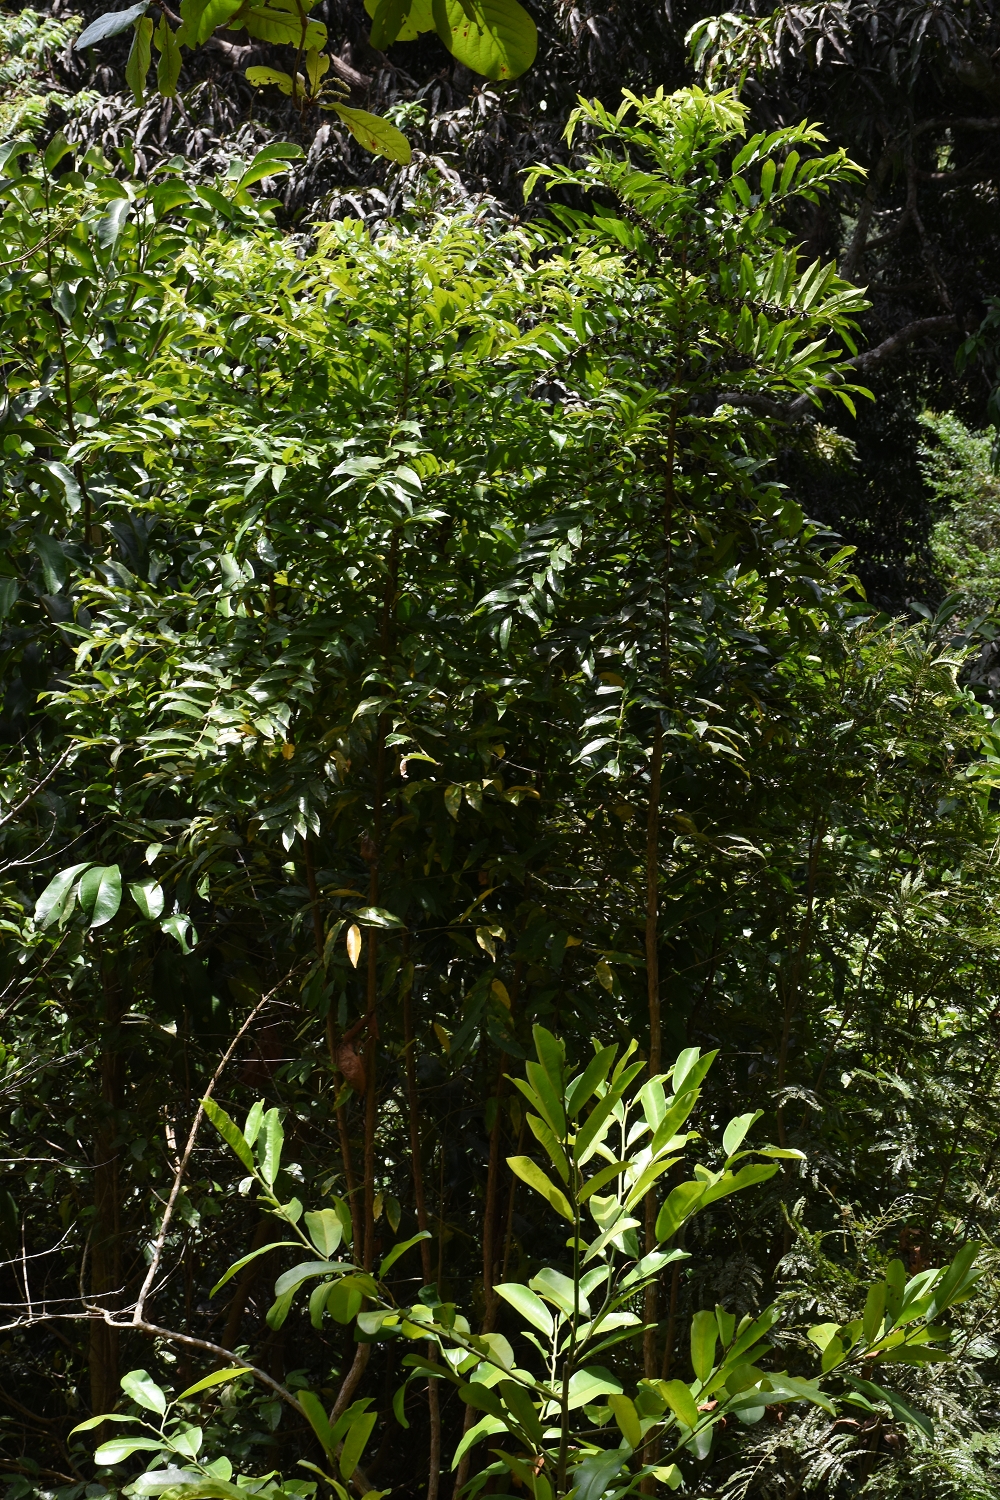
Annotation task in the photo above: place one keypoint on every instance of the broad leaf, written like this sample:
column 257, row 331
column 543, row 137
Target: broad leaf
column 144, row 1391
column 531, row 1307
column 376, row 135
column 531, row 1173
column 112, row 23
column 496, row 38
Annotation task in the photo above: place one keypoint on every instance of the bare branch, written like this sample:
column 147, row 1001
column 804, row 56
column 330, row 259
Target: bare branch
column 872, row 358
column 40, row 787
column 168, row 1212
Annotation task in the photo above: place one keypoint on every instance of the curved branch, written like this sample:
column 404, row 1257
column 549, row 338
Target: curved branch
column 872, row 358
column 168, row 1212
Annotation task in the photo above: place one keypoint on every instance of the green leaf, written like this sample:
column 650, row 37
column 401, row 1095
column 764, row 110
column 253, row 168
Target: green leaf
column 292, row 1279
column 736, row 1131
column 417, row 16
column 325, row 1230
column 378, row 136
column 261, row 77
column 268, row 24
column 628, row 1420
column 318, row 1421
column 899, row 1408
column 397, row 1250
column 212, row 15
column 139, row 59
column 278, row 1312
column 531, row 1307
column 56, row 901
column 108, row 1416
column 168, row 69
column 274, row 1140
column 531, row 1173
column 117, row 1449
column 110, row 24
column 558, row 1289
column 148, row 897
column 704, row 1334
column 596, row 1473
column 144, row 1391
column 590, row 1079
column 523, row 1409
column 345, row 1299
column 495, row 38
column 387, row 22
column 485, row 1427
column 101, row 893
column 232, row 1135
column 874, row 1311
column 253, row 1255
column 734, row 1182
column 895, row 1284
column 354, row 1443
column 217, row 1377
column 683, row 1201
column 680, row 1400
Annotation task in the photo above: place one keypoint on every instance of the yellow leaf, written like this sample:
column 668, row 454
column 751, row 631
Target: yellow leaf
column 444, row 1037
column 605, row 978
column 500, row 992
column 287, row 750
column 354, row 944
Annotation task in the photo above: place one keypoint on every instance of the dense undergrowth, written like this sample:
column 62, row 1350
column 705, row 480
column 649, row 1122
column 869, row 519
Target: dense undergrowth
column 407, row 643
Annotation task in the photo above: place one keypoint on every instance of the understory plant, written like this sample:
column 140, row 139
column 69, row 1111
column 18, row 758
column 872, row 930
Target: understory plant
column 567, row 1423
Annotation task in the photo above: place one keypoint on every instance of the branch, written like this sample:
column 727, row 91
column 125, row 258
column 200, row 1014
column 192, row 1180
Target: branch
column 154, row 1265
column 872, row 358
column 41, row 785
column 963, row 123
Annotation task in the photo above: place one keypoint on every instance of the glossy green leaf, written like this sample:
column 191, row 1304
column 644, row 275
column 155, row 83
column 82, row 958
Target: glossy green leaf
column 532, row 1174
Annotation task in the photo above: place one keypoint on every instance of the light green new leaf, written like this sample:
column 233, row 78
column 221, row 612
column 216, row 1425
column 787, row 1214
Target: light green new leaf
column 274, row 1140
column 117, row 1449
column 261, row 77
column 628, row 1420
column 736, row 1131
column 496, row 38
column 325, row 1230
column 485, row 1427
column 217, row 1377
column 531, row 1173
column 144, row 1391
column 531, row 1307
column 681, row 1203
column 680, row 1400
column 704, row 1334
column 354, row 1443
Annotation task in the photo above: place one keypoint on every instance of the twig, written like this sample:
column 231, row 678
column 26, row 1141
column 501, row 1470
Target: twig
column 35, row 790
column 154, row 1265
